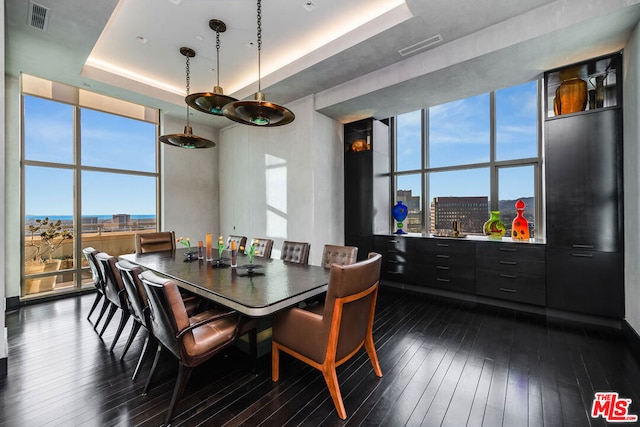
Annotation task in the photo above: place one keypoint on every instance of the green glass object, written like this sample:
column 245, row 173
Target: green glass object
column 494, row 228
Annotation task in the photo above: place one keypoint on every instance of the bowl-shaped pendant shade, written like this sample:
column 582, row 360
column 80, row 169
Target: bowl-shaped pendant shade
column 186, row 140
column 258, row 112
column 209, row 102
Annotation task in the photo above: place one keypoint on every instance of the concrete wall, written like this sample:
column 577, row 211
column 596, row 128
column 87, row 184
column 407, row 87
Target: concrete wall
column 631, row 82
column 284, row 183
column 189, row 185
column 3, row 224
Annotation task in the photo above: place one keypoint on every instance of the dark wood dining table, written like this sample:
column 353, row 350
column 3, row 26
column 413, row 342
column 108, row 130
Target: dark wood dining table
column 273, row 286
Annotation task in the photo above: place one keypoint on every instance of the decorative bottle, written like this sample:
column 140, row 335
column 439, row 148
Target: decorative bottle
column 520, row 225
column 399, row 213
column 494, row 228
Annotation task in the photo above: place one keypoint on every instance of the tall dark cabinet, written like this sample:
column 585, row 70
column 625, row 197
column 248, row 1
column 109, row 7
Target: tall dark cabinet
column 584, row 193
column 366, row 183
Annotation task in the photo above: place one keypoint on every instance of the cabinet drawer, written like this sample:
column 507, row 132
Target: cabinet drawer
column 531, row 252
column 445, row 252
column 521, row 287
column 511, row 264
column 445, row 277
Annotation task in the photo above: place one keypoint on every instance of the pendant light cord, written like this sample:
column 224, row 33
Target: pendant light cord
column 218, row 56
column 188, row 85
column 259, row 40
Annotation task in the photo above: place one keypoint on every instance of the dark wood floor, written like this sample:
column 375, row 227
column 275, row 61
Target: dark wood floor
column 443, row 363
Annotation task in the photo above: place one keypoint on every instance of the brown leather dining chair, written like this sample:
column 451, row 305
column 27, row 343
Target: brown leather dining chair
column 90, row 255
column 341, row 255
column 192, row 340
column 264, row 247
column 325, row 337
column 115, row 292
column 297, row 252
column 155, row 242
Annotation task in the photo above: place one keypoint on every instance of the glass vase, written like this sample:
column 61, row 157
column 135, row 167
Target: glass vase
column 520, row 225
column 494, row 228
column 399, row 213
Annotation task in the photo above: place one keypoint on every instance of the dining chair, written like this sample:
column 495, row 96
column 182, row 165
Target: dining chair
column 240, row 241
column 139, row 310
column 297, row 252
column 114, row 292
column 90, row 255
column 263, row 247
column 341, row 255
column 155, row 242
column 192, row 340
column 328, row 335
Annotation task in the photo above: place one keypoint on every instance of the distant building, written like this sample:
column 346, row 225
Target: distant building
column 472, row 212
column 121, row 221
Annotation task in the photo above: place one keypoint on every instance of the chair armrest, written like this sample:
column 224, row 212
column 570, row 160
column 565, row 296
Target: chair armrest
column 297, row 325
column 204, row 322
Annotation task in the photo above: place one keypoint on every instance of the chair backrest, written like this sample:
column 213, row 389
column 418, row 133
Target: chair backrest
column 295, row 252
column 263, row 247
column 349, row 306
column 155, row 242
column 341, row 255
column 113, row 286
column 161, row 319
column 90, row 255
column 135, row 290
column 240, row 241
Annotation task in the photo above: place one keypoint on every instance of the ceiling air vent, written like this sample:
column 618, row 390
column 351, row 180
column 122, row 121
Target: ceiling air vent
column 38, row 16
column 420, row 45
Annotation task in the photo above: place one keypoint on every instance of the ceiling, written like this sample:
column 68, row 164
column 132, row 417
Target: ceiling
column 346, row 53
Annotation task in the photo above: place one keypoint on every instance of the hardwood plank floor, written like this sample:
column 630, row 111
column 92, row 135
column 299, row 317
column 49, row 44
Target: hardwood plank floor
column 444, row 363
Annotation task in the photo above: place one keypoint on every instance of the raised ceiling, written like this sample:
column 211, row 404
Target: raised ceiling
column 345, row 52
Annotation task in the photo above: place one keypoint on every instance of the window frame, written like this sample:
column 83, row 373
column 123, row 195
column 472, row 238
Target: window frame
column 493, row 165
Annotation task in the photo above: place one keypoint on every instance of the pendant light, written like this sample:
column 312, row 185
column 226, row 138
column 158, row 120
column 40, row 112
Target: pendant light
column 212, row 102
column 258, row 112
column 187, row 139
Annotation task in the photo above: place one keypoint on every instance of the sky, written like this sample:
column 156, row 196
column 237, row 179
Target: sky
column 108, row 141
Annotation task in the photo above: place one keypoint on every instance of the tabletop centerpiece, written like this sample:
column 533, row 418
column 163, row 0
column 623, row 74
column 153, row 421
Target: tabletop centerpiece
column 220, row 261
column 186, row 242
column 251, row 252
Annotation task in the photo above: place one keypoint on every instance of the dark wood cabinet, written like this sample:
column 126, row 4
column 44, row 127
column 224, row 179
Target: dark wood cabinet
column 446, row 264
column 584, row 208
column 514, row 272
column 397, row 257
column 366, row 183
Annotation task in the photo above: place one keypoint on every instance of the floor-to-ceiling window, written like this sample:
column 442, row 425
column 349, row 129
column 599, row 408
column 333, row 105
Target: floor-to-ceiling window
column 460, row 160
column 89, row 178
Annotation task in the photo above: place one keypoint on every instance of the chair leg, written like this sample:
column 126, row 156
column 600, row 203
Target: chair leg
column 184, row 372
column 331, row 378
column 373, row 356
column 149, row 342
column 112, row 311
column 153, row 370
column 95, row 304
column 123, row 322
column 103, row 310
column 134, row 331
column 275, row 362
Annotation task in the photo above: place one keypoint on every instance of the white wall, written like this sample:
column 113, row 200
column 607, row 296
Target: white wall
column 3, row 224
column 284, row 183
column 189, row 186
column 631, row 82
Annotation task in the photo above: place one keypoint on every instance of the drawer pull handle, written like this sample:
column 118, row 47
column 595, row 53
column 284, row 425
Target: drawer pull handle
column 392, row 251
column 442, row 280
column 508, row 249
column 392, row 261
column 508, row 262
column 394, row 241
column 583, row 246
column 442, row 245
column 508, row 276
column 511, row 291
column 442, row 256
column 442, row 267
column 581, row 255
column 394, row 272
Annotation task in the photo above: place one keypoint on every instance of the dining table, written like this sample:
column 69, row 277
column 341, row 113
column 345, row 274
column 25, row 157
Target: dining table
column 256, row 289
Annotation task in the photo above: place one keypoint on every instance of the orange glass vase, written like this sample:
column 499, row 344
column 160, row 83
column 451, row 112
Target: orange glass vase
column 571, row 97
column 520, row 225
